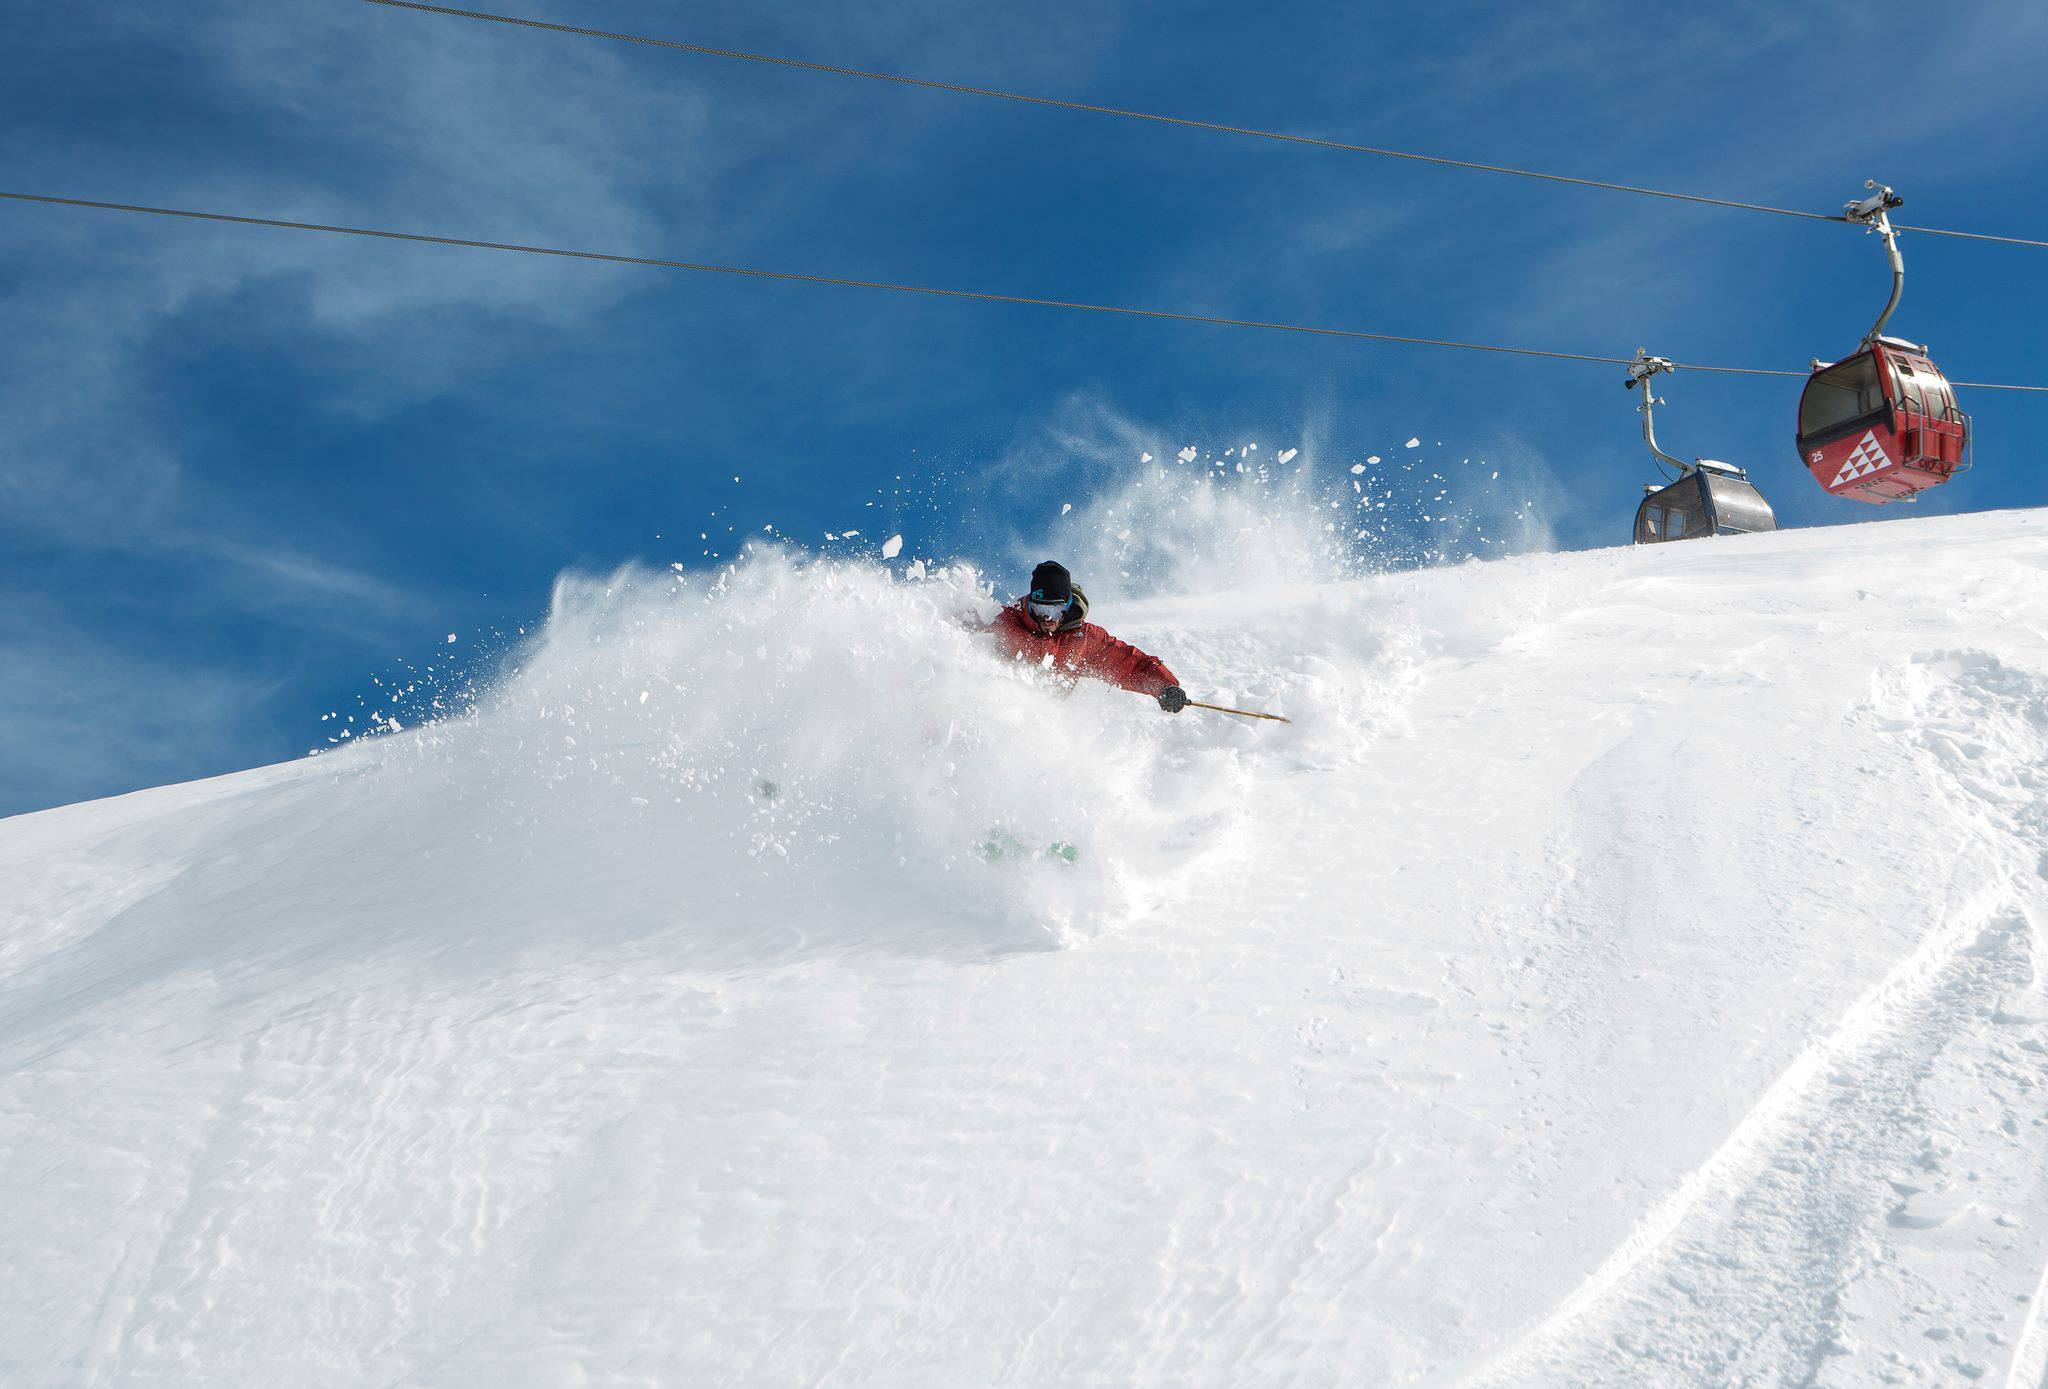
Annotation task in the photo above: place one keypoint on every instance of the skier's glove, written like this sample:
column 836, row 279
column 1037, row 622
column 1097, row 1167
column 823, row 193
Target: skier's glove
column 1173, row 699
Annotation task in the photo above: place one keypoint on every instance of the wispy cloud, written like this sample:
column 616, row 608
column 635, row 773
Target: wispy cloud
column 283, row 581
column 323, row 113
column 88, row 714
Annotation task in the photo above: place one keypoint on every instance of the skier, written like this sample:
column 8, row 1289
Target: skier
column 1052, row 621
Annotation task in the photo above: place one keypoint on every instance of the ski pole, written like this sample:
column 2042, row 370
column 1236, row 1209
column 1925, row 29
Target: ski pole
column 1226, row 709
column 1241, row 713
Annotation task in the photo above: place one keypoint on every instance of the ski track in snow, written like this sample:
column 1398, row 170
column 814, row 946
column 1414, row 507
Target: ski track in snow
column 1752, row 1269
column 1627, row 970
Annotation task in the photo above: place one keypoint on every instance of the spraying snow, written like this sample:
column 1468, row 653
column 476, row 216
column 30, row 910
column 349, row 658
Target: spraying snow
column 792, row 728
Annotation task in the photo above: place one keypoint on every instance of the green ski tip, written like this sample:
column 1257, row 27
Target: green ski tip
column 1001, row 844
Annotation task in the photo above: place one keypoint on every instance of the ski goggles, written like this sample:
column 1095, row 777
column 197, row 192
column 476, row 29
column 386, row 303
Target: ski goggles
column 1048, row 611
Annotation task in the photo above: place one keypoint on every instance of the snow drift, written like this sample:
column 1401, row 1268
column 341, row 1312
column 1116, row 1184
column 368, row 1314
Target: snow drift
column 1624, row 970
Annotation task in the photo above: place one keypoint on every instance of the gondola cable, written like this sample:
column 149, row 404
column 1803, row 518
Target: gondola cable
column 1283, row 137
column 799, row 277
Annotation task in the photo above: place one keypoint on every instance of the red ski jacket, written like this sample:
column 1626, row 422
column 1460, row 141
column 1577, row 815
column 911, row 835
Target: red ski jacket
column 1081, row 648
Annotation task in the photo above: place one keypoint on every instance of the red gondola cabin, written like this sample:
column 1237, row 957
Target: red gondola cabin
column 1882, row 424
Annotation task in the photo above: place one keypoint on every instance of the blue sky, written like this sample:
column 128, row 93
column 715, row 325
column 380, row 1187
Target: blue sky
column 242, row 471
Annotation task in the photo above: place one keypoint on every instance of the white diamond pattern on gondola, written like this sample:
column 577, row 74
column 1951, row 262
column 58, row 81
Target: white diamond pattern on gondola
column 1868, row 457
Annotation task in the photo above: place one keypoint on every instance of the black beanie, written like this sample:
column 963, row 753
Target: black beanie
column 1051, row 583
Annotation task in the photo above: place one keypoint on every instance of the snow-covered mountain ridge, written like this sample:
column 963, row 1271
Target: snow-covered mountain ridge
column 1626, row 970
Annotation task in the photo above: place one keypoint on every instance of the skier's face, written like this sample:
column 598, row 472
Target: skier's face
column 1046, row 616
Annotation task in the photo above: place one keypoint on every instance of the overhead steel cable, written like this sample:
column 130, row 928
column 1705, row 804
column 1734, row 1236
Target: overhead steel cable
column 1282, row 137
column 748, row 272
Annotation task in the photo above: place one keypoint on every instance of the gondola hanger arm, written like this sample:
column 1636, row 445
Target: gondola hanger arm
column 1643, row 371
column 1872, row 213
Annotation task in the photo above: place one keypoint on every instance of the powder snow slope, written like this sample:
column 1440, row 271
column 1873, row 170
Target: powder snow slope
column 1626, row 970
